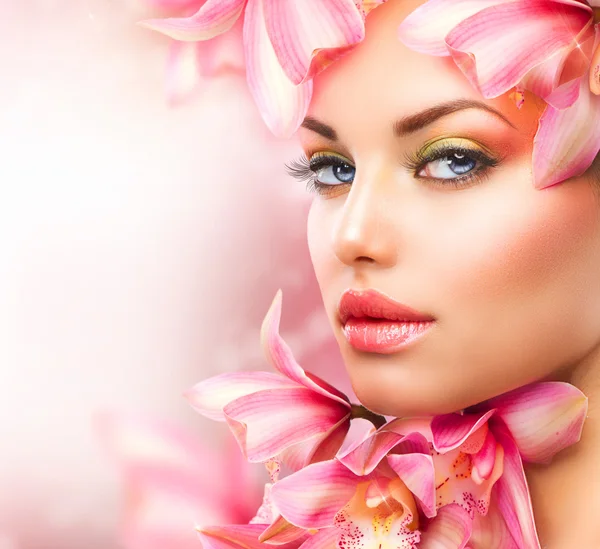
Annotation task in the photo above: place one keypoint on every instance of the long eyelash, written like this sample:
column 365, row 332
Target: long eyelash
column 304, row 170
column 417, row 161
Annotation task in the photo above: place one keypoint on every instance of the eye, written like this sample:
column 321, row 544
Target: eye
column 332, row 171
column 325, row 173
column 449, row 167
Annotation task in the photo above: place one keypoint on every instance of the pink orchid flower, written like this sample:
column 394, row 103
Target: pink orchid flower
column 380, row 493
column 291, row 415
column 543, row 46
column 173, row 483
column 478, row 456
column 188, row 63
column 283, row 46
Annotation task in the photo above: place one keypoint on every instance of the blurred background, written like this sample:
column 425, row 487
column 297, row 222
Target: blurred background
column 146, row 222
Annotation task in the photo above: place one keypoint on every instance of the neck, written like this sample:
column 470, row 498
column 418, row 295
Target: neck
column 566, row 493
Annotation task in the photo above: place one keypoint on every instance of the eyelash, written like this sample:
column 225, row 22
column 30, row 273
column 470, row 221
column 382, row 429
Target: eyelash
column 305, row 170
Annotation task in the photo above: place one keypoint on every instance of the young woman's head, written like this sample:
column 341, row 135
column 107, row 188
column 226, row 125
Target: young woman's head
column 425, row 194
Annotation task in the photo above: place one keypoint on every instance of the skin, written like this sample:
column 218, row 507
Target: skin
column 510, row 273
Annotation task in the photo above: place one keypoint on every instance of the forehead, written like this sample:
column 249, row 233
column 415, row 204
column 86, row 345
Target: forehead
column 382, row 80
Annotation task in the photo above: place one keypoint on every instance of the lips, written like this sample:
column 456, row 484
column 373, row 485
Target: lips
column 375, row 323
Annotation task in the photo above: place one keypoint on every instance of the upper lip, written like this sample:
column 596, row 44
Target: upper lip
column 373, row 304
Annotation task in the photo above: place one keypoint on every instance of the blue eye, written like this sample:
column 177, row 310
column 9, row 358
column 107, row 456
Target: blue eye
column 450, row 166
column 333, row 173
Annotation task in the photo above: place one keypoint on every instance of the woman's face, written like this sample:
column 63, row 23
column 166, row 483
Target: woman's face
column 438, row 212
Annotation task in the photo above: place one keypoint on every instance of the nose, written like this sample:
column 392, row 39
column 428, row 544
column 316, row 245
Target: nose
column 364, row 233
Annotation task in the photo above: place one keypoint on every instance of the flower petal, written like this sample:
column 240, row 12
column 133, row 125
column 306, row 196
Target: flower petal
column 330, row 443
column 542, row 418
column 281, row 532
column 451, row 430
column 210, row 396
column 483, row 461
column 212, row 19
column 326, row 538
column 281, row 104
column 416, row 471
column 280, row 355
column 488, row 46
column 311, row 497
column 512, row 494
column 556, row 159
column 239, row 536
column 426, row 28
column 363, row 459
column 298, row 30
column 450, row 529
column 267, row 422
column 491, row 531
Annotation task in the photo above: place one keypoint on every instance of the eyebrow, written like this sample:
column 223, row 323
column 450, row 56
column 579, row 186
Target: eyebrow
column 414, row 122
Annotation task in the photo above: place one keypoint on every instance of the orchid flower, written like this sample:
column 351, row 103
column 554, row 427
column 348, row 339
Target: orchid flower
column 284, row 47
column 379, row 493
column 188, row 63
column 478, row 456
column 291, row 415
column 542, row 46
column 173, row 483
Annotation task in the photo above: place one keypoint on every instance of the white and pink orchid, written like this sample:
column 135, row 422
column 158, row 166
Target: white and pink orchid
column 379, row 493
column 291, row 415
column 286, row 42
column 190, row 62
column 543, row 46
column 478, row 456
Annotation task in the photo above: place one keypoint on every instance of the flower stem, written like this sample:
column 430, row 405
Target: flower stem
column 359, row 411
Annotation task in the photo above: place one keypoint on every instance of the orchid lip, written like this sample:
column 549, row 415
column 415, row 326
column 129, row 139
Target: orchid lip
column 374, row 305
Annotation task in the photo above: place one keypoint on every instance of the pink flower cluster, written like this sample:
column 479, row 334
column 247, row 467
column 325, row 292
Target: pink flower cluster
column 446, row 482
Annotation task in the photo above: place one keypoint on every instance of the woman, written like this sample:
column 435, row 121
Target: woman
column 474, row 279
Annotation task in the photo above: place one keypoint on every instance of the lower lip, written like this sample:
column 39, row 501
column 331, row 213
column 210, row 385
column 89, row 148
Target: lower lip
column 383, row 336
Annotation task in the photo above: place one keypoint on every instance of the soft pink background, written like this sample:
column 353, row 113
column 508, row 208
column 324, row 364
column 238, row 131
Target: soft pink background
column 140, row 247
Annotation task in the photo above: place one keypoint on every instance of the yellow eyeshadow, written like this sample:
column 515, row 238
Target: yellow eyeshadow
column 327, row 154
column 456, row 142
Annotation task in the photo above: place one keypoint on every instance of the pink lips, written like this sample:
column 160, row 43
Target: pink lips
column 375, row 323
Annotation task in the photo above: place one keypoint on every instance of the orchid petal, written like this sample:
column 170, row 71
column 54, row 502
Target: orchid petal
column 564, row 96
column 182, row 72
column 210, row 396
column 326, row 538
column 483, row 461
column 451, row 529
column 555, row 160
column 451, row 430
column 313, row 496
column 426, row 28
column 282, row 105
column 281, row 532
column 491, row 531
column 488, row 49
column 363, row 459
column 542, row 418
column 213, row 18
column 223, row 54
column 298, row 30
column 280, row 355
column 239, row 536
column 403, row 426
column 267, row 422
column 330, row 443
column 417, row 473
column 512, row 494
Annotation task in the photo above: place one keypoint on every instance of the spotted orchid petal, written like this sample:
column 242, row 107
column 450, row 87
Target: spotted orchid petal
column 280, row 355
column 452, row 430
column 244, row 536
column 555, row 160
column 417, row 473
column 487, row 46
column 491, row 531
column 281, row 104
column 426, row 28
column 512, row 493
column 213, row 18
column 299, row 30
column 267, row 422
column 484, row 459
column 311, row 497
column 542, row 418
column 451, row 529
column 210, row 396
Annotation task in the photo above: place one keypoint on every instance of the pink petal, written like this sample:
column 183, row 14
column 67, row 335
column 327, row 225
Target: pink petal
column 411, row 425
column 280, row 355
column 281, row 532
column 491, row 531
column 281, row 104
column 450, row 529
column 311, row 497
column 326, row 538
column 363, row 459
column 426, row 28
column 296, row 37
column 512, row 495
column 329, row 445
column 543, row 418
column 554, row 159
column 483, row 461
column 212, row 19
column 244, row 536
column 267, row 422
column 451, row 430
column 488, row 46
column 564, row 96
column 416, row 471
column 223, row 54
column 210, row 396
